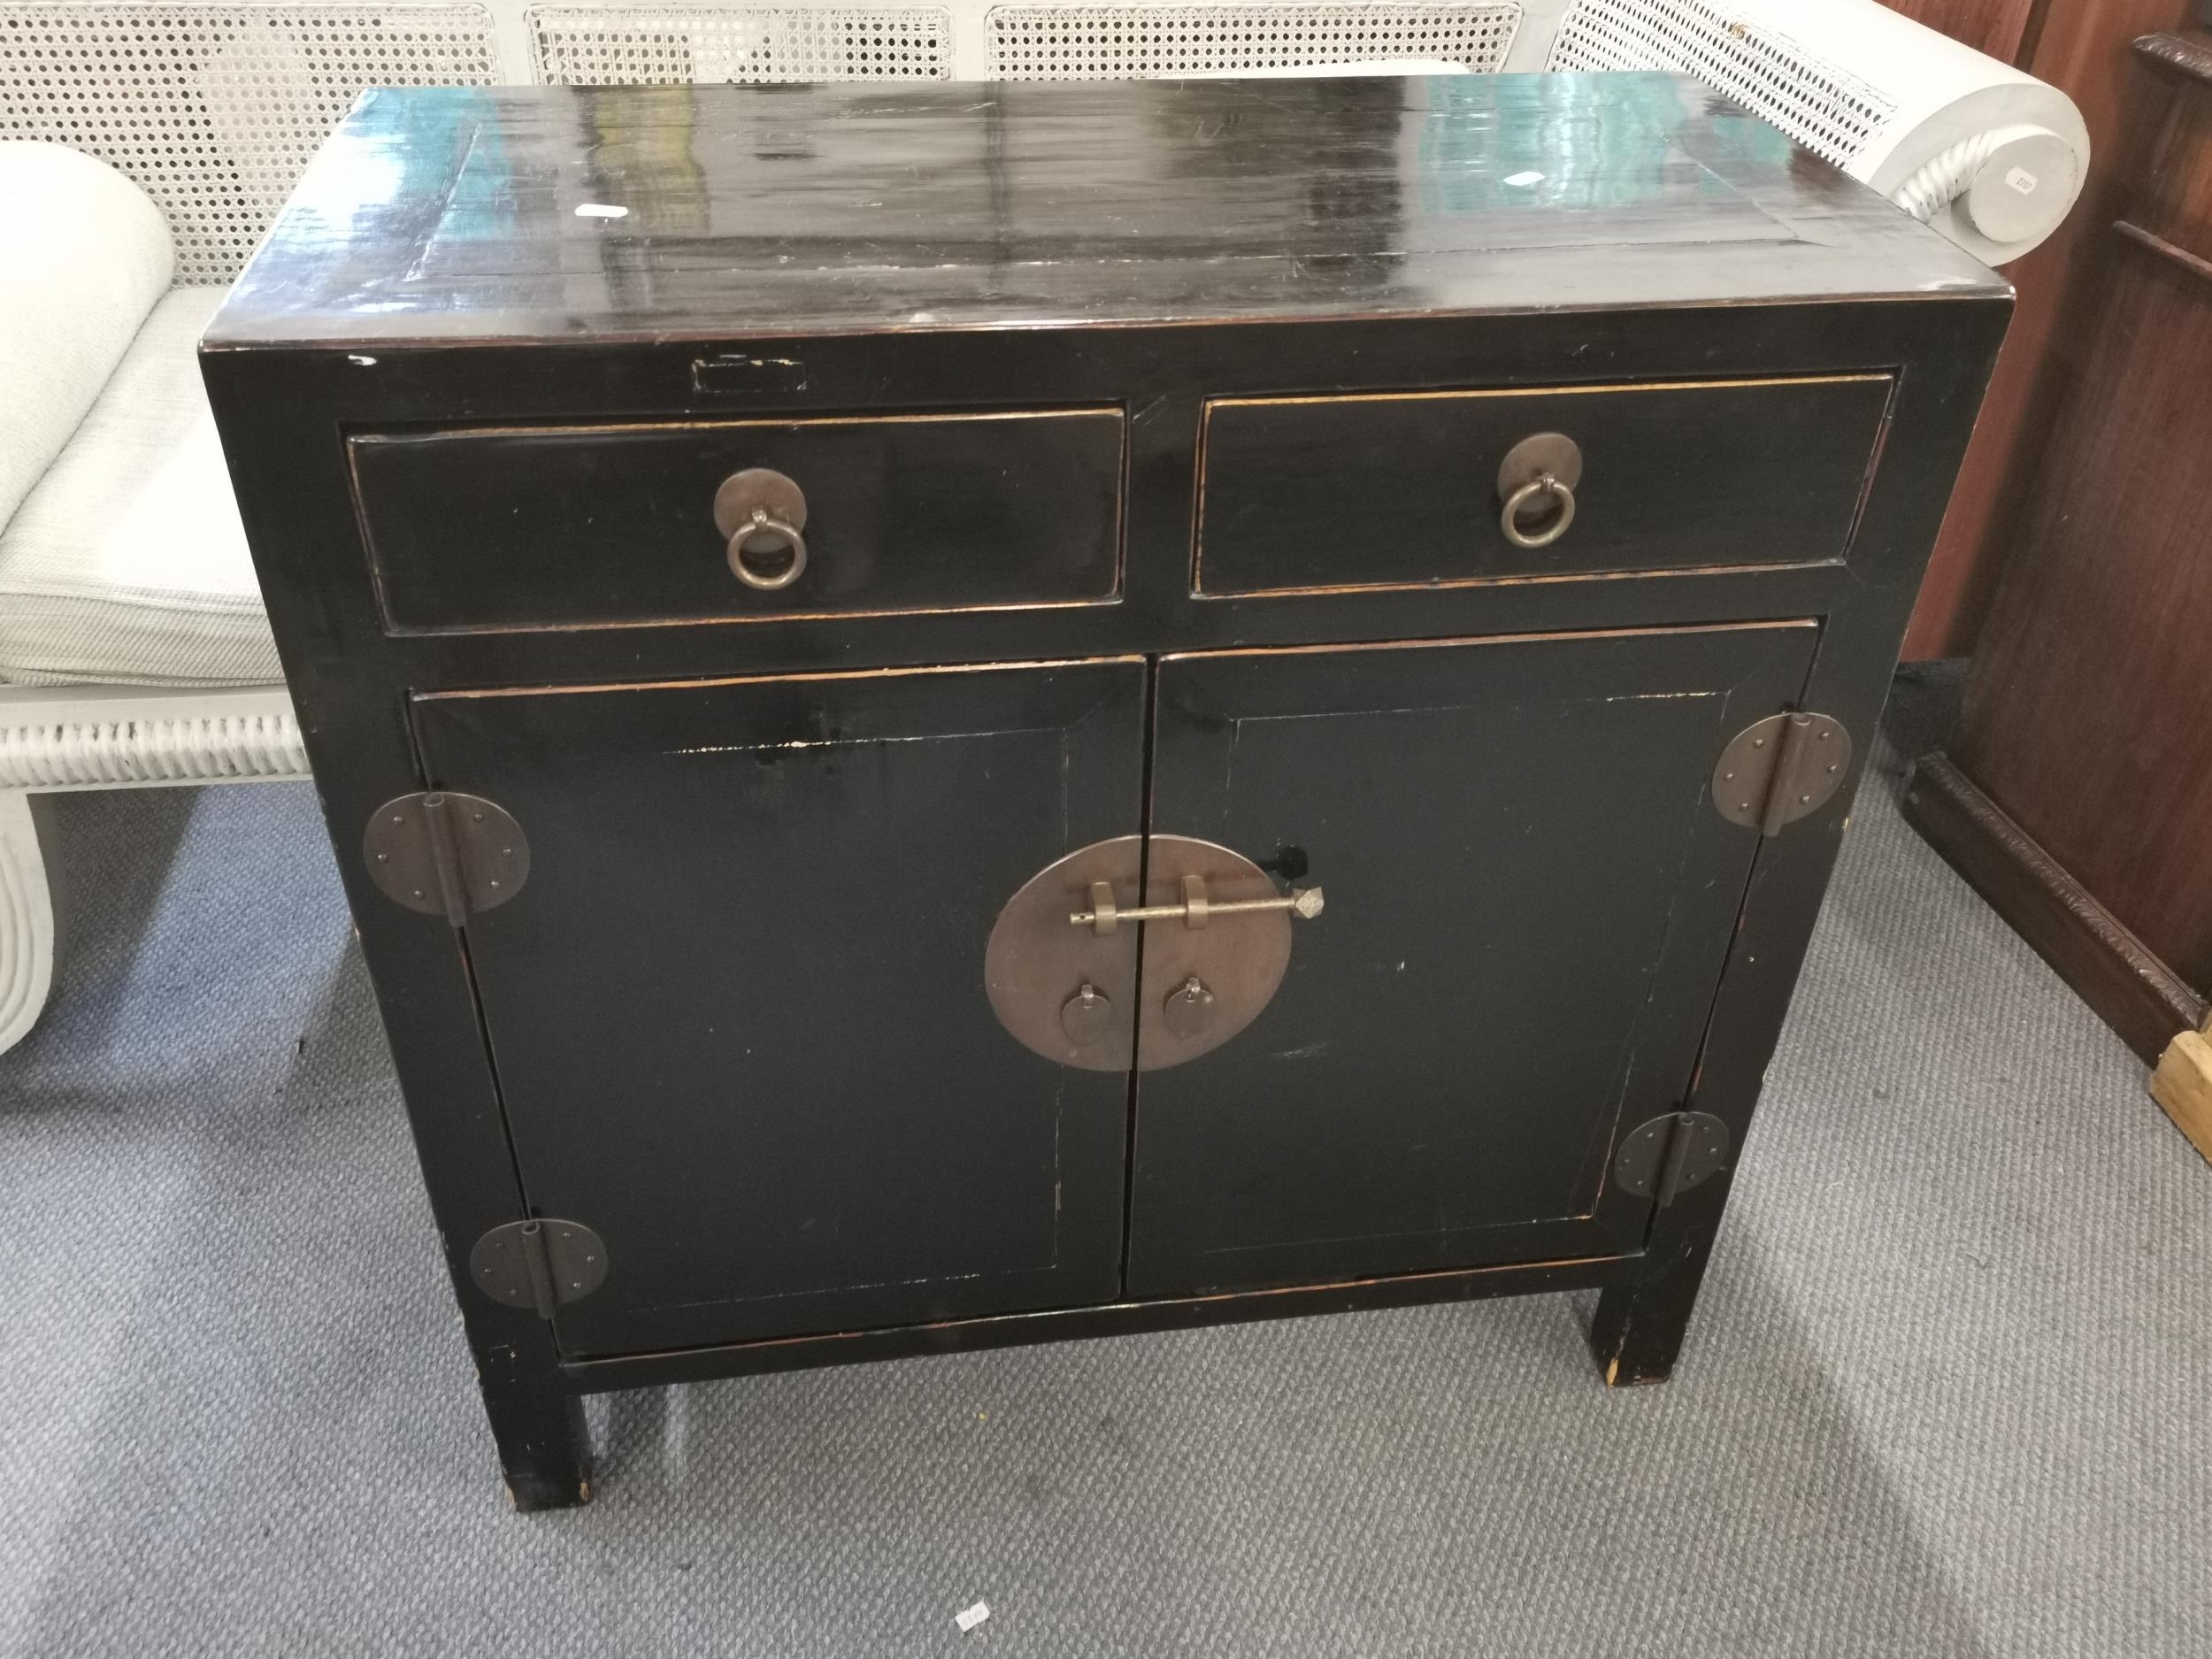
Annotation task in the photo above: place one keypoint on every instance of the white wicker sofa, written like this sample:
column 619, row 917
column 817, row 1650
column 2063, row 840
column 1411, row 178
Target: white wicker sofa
column 122, row 564
column 133, row 649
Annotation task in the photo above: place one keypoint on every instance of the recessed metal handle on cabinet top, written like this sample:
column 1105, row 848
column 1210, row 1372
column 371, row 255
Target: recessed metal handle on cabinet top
column 1538, row 470
column 1195, row 910
column 762, row 512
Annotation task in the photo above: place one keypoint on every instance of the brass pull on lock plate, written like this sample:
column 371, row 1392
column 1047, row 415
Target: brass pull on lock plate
column 762, row 512
column 1544, row 468
column 1087, row 1016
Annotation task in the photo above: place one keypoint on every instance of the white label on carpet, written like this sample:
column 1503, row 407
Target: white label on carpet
column 969, row 1617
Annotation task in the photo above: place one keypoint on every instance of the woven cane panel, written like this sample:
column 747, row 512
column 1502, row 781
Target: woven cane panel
column 1126, row 42
column 1828, row 111
column 595, row 46
column 215, row 110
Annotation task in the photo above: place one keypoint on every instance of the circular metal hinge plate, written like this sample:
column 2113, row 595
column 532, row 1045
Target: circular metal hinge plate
column 446, row 854
column 1037, row 960
column 539, row 1263
column 1777, row 770
column 1695, row 1143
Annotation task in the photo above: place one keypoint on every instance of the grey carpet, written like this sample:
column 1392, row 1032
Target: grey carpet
column 1945, row 1395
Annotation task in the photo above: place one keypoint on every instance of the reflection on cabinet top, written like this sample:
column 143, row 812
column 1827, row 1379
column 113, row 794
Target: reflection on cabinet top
column 453, row 213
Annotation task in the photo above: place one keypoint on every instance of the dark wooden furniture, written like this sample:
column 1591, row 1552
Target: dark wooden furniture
column 1169, row 533
column 2078, row 795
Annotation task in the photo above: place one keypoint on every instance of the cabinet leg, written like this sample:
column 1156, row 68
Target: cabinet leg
column 1638, row 1330
column 544, row 1444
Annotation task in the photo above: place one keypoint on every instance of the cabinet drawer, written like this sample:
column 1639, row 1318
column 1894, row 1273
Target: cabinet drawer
column 1402, row 489
column 611, row 525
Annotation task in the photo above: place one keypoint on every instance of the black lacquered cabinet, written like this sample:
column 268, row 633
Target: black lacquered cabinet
column 1213, row 714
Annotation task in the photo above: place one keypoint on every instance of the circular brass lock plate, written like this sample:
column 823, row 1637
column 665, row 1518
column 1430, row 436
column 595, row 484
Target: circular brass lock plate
column 1237, row 960
column 1038, row 960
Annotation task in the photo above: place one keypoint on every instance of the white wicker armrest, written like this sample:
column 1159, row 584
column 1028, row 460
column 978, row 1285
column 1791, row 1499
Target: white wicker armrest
column 103, row 737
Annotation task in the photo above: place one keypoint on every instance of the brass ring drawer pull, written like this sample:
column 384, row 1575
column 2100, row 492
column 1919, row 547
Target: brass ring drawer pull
column 1548, row 465
column 1553, row 527
column 762, row 512
column 1195, row 910
column 787, row 537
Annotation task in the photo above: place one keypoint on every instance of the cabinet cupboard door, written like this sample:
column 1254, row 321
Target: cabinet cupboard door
column 1530, row 898
column 737, row 1009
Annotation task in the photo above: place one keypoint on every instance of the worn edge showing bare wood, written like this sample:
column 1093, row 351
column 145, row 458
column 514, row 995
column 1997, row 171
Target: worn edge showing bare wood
column 2182, row 1084
column 2125, row 982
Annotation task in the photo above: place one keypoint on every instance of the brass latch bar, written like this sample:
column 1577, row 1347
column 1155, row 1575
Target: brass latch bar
column 1195, row 910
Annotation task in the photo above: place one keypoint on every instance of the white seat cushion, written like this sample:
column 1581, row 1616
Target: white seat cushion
column 125, row 563
column 85, row 258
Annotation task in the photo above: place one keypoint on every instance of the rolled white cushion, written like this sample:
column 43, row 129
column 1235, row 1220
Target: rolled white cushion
column 86, row 257
column 127, row 564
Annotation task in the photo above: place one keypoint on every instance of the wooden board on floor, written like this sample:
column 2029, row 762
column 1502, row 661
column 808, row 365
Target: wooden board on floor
column 2183, row 1086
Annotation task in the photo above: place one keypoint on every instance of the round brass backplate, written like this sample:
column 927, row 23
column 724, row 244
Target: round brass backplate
column 1535, row 456
column 757, row 488
column 1037, row 960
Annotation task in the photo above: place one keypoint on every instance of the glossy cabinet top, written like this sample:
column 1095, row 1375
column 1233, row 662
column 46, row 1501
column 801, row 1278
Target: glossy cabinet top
column 517, row 214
